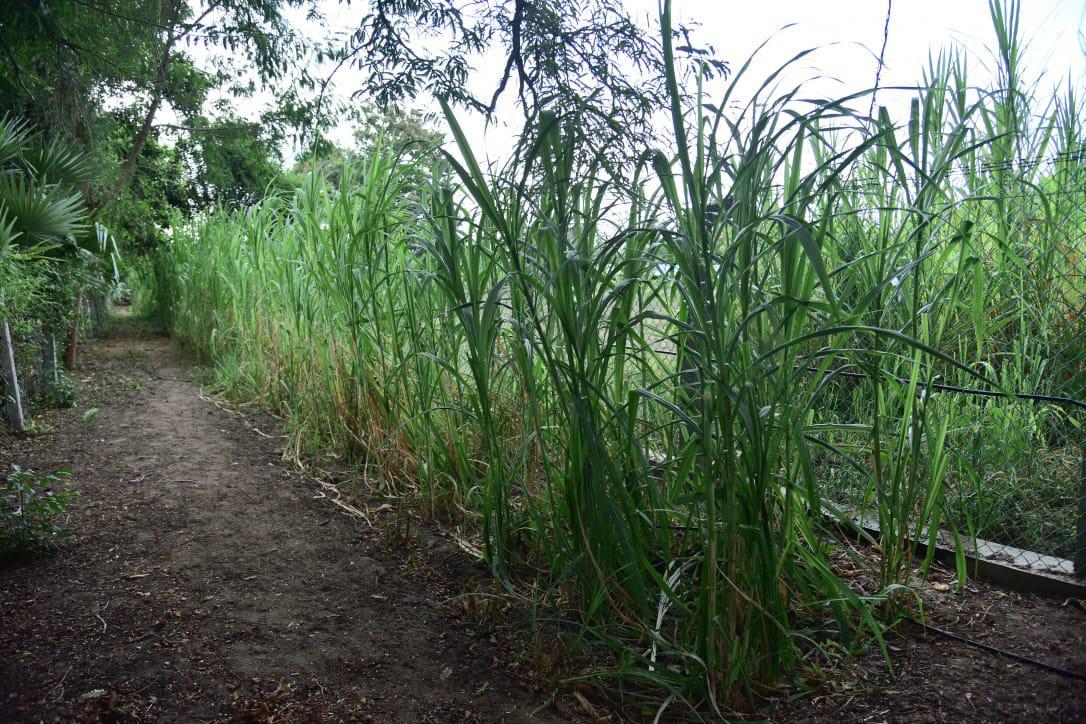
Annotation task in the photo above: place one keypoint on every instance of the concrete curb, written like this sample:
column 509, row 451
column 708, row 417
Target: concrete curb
column 1015, row 568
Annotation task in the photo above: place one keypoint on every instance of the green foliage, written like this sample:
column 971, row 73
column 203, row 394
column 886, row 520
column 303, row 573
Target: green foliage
column 51, row 253
column 39, row 205
column 235, row 161
column 161, row 186
column 407, row 132
column 57, row 59
column 30, row 507
column 39, row 224
column 63, row 61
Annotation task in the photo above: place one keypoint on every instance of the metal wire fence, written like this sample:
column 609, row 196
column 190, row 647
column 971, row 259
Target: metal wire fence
column 1015, row 484
column 1016, row 477
column 31, row 374
column 1019, row 481
column 1019, row 460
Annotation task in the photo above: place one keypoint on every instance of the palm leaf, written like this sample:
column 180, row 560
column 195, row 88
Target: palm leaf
column 14, row 140
column 41, row 214
column 53, row 163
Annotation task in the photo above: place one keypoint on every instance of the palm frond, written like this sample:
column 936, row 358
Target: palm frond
column 40, row 213
column 54, row 163
column 15, row 138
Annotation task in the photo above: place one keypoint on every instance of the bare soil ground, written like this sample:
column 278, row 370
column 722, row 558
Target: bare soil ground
column 206, row 580
column 937, row 679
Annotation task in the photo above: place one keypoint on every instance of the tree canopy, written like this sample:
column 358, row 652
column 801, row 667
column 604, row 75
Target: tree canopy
column 164, row 97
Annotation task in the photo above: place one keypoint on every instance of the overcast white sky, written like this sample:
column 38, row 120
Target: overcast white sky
column 848, row 33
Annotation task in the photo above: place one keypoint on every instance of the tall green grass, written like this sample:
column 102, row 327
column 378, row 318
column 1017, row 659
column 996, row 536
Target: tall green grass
column 645, row 391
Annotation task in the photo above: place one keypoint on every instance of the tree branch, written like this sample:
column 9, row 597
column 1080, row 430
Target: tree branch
column 138, row 142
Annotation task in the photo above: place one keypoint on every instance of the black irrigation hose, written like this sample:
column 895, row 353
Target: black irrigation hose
column 998, row 651
column 970, row 390
column 938, row 386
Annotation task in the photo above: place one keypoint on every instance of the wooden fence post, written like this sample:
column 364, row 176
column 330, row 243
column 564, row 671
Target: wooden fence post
column 13, row 403
column 1080, row 539
column 94, row 303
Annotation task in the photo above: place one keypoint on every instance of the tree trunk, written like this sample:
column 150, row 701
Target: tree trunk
column 138, row 142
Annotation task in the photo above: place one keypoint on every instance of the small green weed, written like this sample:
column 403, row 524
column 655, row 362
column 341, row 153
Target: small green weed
column 29, row 509
column 90, row 416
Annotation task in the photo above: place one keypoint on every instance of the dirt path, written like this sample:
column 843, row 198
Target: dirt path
column 204, row 582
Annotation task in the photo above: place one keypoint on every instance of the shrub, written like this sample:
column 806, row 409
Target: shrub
column 61, row 392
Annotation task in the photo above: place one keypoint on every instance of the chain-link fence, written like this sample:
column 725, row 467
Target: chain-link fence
column 1015, row 476
column 1018, row 461
column 1013, row 481
column 32, row 375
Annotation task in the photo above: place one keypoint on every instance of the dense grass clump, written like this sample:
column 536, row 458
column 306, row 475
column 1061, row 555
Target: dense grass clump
column 648, row 389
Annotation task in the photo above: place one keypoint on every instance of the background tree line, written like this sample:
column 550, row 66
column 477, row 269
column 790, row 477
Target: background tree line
column 122, row 116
